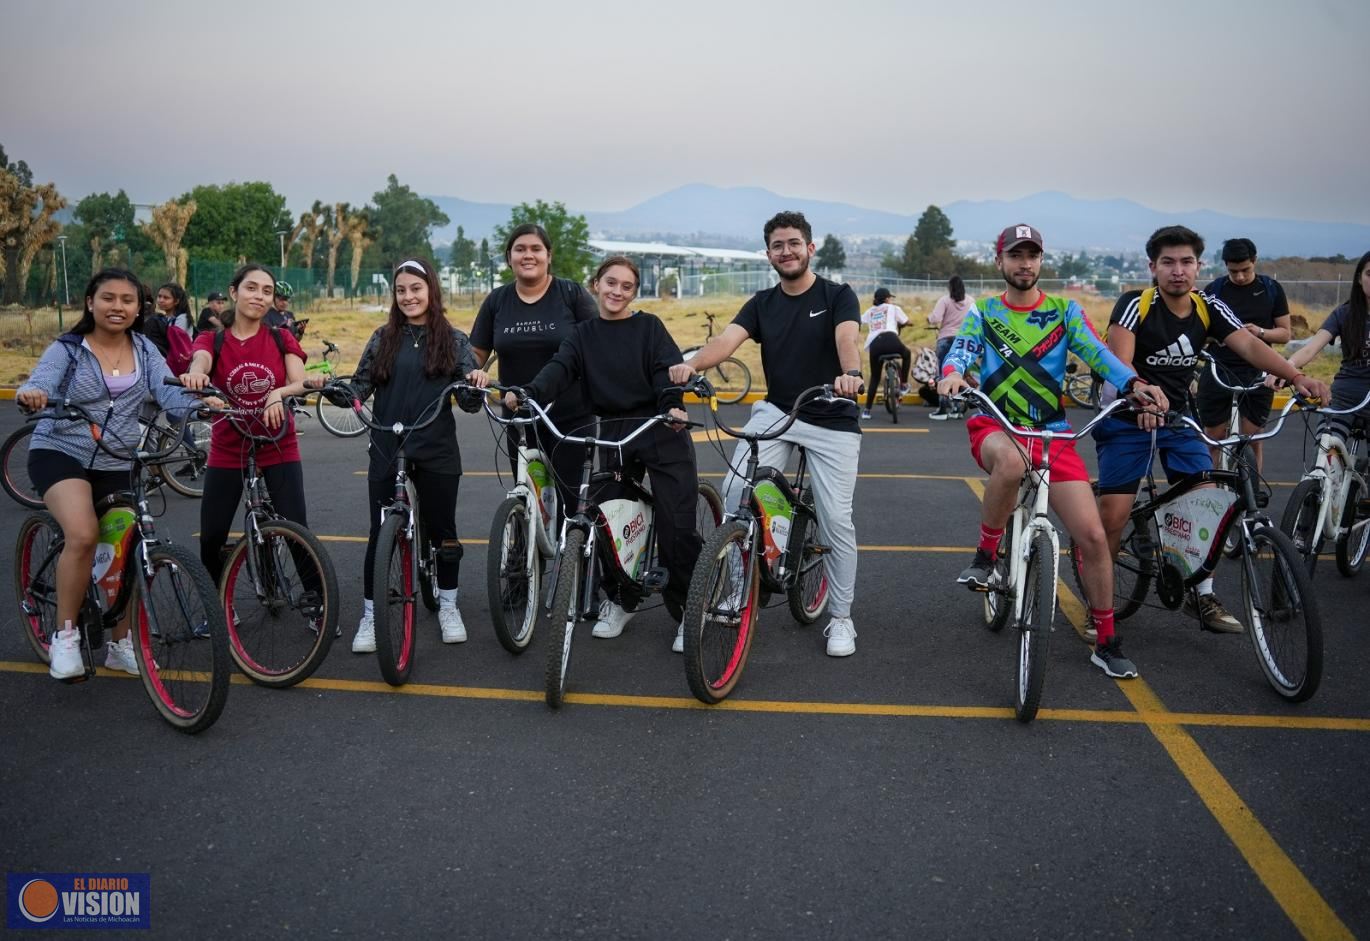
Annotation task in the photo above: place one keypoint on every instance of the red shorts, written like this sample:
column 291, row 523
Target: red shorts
column 1066, row 463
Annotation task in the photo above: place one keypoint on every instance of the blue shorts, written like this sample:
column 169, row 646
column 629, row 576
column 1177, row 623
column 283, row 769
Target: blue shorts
column 1125, row 454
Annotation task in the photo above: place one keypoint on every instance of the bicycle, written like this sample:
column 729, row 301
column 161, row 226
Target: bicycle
column 889, row 365
column 1174, row 539
column 765, row 545
column 276, row 569
column 1022, row 586
column 1083, row 388
column 618, row 533
column 179, row 636
column 342, row 422
column 399, row 573
column 1330, row 501
column 731, row 379
column 1232, row 545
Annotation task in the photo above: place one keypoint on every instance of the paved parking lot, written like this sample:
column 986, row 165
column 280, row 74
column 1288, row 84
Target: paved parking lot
column 889, row 794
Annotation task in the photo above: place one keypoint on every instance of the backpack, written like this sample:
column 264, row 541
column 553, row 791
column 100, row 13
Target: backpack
column 179, row 349
column 925, row 366
column 1148, row 300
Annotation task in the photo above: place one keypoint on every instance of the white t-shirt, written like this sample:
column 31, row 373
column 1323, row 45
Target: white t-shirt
column 883, row 318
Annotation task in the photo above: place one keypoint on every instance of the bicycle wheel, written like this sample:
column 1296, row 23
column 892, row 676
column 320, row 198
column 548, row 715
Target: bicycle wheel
column 280, row 599
column 428, row 561
column 1300, row 521
column 892, row 391
column 180, row 639
column 184, row 471
column 708, row 510
column 1034, row 631
column 1351, row 546
column 35, row 580
column 999, row 598
column 561, row 620
column 395, row 609
column 14, row 469
column 1282, row 611
column 731, row 379
column 1078, row 389
column 1134, row 568
column 720, row 614
column 342, row 422
column 511, row 585
column 808, row 596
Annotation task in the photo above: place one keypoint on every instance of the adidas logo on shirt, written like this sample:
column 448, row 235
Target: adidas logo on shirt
column 1179, row 353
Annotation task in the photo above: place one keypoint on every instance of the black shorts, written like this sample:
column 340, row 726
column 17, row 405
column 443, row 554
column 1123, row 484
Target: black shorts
column 47, row 467
column 1214, row 403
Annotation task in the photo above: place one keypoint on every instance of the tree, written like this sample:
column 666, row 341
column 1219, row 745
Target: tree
column 463, row 251
column 311, row 224
column 402, row 220
column 20, row 169
column 168, row 228
column 236, row 220
column 832, row 256
column 570, row 237
column 359, row 240
column 484, row 260
column 909, row 263
column 934, row 231
column 105, row 218
column 26, row 225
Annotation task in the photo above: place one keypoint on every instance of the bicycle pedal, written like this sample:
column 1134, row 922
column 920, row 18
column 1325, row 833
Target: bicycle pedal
column 655, row 579
column 1262, row 499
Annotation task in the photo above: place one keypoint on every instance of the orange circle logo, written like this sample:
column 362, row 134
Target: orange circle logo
column 38, row 900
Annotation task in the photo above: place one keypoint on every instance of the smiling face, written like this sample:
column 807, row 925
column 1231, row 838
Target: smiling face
column 530, row 259
column 253, row 295
column 411, row 295
column 1176, row 269
column 615, row 290
column 114, row 305
column 788, row 253
column 1021, row 266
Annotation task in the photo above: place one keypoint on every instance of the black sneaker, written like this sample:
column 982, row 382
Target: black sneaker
column 976, row 576
column 1109, row 658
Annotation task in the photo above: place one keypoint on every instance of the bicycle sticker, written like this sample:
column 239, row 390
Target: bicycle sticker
column 629, row 521
column 776, row 515
column 1188, row 525
column 111, row 553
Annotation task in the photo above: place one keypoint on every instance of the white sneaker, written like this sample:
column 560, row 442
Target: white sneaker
column 119, row 656
column 64, row 655
column 678, row 645
column 612, row 620
column 365, row 641
column 841, row 635
column 453, row 630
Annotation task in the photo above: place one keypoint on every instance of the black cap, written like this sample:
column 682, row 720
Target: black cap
column 882, row 295
column 216, row 296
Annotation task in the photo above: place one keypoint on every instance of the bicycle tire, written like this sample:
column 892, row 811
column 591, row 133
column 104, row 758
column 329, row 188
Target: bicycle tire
column 563, row 616
column 1351, row 546
column 180, row 638
column 278, row 635
column 511, row 586
column 35, row 580
column 717, row 642
column 999, row 602
column 808, row 596
column 708, row 510
column 1134, row 568
column 1078, row 389
column 731, row 379
column 1290, row 659
column 342, row 422
column 428, row 564
column 195, row 460
column 892, row 391
column 14, row 469
column 1034, row 639
column 1299, row 519
column 395, row 609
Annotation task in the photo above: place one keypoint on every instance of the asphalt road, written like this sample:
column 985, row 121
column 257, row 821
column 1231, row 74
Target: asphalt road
column 889, row 794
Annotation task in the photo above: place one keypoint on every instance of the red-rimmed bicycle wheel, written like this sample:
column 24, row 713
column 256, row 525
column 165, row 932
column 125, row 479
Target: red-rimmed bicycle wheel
column 35, row 580
column 396, row 600
column 721, row 611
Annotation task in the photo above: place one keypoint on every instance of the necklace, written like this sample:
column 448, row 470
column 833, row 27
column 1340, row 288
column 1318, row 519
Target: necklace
column 114, row 369
column 415, row 334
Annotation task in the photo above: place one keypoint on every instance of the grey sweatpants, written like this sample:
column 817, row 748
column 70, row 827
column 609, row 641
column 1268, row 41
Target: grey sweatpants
column 833, row 456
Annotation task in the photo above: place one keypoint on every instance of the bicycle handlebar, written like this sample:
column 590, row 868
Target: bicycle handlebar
column 1213, row 371
column 397, row 428
column 822, row 393
column 647, row 422
column 74, row 411
column 1323, row 410
column 236, row 413
column 987, row 404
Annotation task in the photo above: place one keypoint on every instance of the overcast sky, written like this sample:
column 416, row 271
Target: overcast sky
column 1257, row 109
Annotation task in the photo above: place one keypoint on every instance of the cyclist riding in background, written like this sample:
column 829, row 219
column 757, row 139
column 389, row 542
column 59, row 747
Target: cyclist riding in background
column 809, row 331
column 1020, row 341
column 1159, row 332
column 280, row 316
column 885, row 321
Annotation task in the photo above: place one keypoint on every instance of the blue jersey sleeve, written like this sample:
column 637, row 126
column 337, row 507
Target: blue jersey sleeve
column 1095, row 354
column 969, row 346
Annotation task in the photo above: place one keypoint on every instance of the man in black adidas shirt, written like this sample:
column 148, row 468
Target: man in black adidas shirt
column 1260, row 304
column 1159, row 333
column 809, row 331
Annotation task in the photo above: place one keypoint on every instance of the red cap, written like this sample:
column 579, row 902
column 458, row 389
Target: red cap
column 1016, row 235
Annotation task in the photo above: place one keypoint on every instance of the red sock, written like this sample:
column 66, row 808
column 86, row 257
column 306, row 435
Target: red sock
column 1103, row 623
column 989, row 540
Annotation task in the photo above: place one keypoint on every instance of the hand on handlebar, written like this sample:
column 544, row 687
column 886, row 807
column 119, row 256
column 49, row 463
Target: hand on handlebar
column 952, row 385
column 32, row 400
column 1311, row 388
column 194, row 381
column 681, row 373
column 682, row 419
column 1150, row 404
column 848, row 387
column 478, row 378
column 513, row 399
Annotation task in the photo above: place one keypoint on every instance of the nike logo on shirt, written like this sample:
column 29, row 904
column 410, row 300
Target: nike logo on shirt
column 815, row 313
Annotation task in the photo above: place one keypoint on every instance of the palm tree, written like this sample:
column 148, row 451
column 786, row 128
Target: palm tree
column 356, row 235
column 312, row 222
column 337, row 232
column 166, row 229
column 26, row 225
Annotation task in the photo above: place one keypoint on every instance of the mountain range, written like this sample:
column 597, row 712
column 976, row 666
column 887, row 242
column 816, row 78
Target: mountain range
column 1067, row 222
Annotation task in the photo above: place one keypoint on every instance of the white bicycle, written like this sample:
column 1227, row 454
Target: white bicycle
column 1233, row 544
column 1330, row 504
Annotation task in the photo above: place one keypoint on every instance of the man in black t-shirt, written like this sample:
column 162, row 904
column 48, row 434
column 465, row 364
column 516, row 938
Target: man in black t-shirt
column 1260, row 304
column 211, row 318
column 1159, row 333
column 809, row 331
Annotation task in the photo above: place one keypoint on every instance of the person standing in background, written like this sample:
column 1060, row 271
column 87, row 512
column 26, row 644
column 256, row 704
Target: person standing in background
column 947, row 316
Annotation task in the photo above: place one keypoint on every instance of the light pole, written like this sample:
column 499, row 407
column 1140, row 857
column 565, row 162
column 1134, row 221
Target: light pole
column 62, row 240
column 280, row 233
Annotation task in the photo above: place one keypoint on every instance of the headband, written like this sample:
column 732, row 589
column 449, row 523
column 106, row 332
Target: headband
column 411, row 263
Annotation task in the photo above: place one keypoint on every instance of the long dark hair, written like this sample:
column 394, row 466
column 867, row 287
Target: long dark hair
column 1353, row 340
column 87, row 322
column 178, row 296
column 440, row 359
column 226, row 318
column 956, row 288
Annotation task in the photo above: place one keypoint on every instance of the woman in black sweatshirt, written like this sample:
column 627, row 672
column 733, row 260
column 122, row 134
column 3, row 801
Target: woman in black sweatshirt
column 406, row 364
column 619, row 363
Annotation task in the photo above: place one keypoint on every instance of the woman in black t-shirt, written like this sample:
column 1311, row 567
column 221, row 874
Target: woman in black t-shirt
column 524, row 323
column 1350, row 324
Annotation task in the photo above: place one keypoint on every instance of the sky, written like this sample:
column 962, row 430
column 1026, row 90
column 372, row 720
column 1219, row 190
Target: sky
column 1255, row 109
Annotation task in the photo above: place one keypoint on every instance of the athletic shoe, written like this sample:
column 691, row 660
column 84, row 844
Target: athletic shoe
column 939, row 415
column 453, row 630
column 1109, row 658
column 977, row 575
column 865, row 414
column 841, row 635
column 1212, row 615
column 64, row 655
column 119, row 656
column 611, row 621
column 365, row 640
column 678, row 645
column 905, row 390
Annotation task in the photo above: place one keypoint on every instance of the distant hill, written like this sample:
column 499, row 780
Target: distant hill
column 1067, row 222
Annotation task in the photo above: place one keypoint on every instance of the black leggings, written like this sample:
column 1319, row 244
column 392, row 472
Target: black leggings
column 224, row 491
column 437, row 511
column 886, row 344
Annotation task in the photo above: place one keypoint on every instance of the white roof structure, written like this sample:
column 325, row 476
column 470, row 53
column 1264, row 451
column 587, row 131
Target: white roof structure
column 661, row 249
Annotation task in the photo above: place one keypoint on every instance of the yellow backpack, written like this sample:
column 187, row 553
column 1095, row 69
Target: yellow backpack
column 1148, row 298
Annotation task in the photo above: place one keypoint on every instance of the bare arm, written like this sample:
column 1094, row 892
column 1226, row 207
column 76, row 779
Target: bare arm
column 1263, row 357
column 714, row 352
column 1305, row 354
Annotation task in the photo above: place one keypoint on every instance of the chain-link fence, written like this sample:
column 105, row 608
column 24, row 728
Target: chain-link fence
column 307, row 284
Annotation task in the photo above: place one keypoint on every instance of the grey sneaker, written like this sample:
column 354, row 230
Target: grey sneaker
column 1212, row 615
column 120, row 656
column 365, row 639
column 1109, row 658
column 977, row 575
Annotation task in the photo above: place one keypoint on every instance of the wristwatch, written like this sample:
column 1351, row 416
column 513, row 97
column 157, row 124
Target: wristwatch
column 1262, row 329
column 855, row 372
